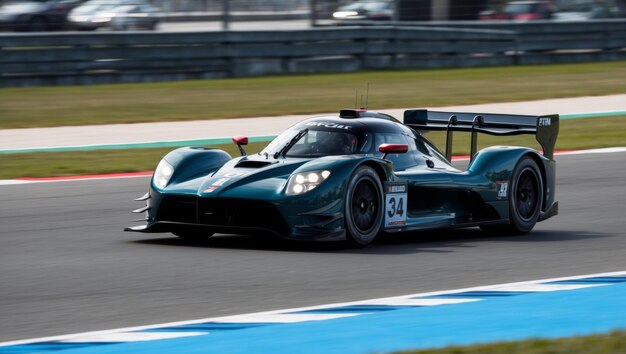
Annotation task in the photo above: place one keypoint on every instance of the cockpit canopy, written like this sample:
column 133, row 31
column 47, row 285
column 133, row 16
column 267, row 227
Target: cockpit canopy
column 317, row 142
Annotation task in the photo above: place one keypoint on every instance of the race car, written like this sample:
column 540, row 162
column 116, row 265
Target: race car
column 352, row 176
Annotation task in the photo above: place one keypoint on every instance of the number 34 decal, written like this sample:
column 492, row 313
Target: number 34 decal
column 395, row 204
column 394, row 208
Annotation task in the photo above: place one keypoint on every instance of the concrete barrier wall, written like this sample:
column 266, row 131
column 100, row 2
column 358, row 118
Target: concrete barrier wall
column 93, row 58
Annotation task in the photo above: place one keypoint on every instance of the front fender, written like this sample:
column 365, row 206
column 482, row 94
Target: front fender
column 320, row 211
column 194, row 162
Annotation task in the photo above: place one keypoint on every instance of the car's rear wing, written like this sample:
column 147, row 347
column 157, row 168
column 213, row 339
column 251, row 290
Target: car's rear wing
column 545, row 127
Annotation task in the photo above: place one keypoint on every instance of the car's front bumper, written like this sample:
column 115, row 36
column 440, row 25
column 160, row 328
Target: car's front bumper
column 286, row 218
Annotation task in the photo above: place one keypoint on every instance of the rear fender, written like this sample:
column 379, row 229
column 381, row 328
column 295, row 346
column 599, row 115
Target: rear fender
column 498, row 162
column 494, row 167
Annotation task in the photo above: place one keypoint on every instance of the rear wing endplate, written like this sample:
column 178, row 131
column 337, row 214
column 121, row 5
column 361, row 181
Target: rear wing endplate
column 544, row 127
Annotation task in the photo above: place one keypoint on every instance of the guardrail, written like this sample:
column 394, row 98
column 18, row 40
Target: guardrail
column 92, row 58
column 542, row 42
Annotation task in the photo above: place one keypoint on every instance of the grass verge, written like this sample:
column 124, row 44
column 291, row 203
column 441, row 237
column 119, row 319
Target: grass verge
column 574, row 134
column 611, row 343
column 301, row 94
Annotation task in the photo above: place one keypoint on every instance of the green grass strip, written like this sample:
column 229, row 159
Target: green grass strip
column 574, row 135
column 148, row 145
column 302, row 94
column 610, row 343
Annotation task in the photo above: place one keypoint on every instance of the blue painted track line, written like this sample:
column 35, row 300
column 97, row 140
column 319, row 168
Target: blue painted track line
column 547, row 308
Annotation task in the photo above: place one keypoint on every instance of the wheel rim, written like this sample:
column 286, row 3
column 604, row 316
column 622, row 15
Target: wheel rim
column 365, row 205
column 526, row 195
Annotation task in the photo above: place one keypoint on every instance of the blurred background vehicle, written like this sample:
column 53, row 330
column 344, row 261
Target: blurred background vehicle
column 521, row 11
column 192, row 15
column 405, row 10
column 580, row 10
column 114, row 14
column 35, row 15
column 376, row 10
column 135, row 17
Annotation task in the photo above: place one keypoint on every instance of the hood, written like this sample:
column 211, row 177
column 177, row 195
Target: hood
column 255, row 177
column 250, row 174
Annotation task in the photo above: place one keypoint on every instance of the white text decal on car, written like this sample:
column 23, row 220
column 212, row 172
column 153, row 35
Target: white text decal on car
column 329, row 125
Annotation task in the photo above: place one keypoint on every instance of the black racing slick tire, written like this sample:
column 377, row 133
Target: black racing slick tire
column 363, row 207
column 526, row 196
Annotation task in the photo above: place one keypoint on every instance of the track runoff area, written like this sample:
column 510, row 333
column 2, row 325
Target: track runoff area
column 547, row 308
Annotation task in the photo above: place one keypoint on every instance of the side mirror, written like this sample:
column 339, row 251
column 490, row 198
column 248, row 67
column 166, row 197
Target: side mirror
column 393, row 149
column 241, row 140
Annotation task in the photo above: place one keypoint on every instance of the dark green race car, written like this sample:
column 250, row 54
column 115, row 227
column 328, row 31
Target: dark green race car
column 355, row 175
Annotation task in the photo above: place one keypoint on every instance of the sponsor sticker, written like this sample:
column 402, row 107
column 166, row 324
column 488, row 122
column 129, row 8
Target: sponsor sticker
column 545, row 122
column 220, row 182
column 329, row 125
column 216, row 184
column 396, row 202
column 503, row 188
column 233, row 174
column 210, row 189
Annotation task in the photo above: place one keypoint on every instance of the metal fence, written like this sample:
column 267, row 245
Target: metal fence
column 91, row 58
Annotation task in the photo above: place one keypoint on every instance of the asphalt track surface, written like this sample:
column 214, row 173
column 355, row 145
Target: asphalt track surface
column 66, row 266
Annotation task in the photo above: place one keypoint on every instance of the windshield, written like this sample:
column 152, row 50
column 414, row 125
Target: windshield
column 319, row 142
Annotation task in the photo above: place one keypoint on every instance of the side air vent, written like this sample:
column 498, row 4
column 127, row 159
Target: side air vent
column 253, row 164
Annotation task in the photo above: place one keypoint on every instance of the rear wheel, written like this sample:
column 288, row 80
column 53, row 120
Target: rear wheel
column 363, row 206
column 525, row 199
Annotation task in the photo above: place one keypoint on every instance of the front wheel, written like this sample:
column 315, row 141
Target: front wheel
column 525, row 199
column 363, row 206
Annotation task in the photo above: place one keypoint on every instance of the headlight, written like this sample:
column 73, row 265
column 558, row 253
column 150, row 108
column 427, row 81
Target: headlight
column 162, row 174
column 300, row 183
